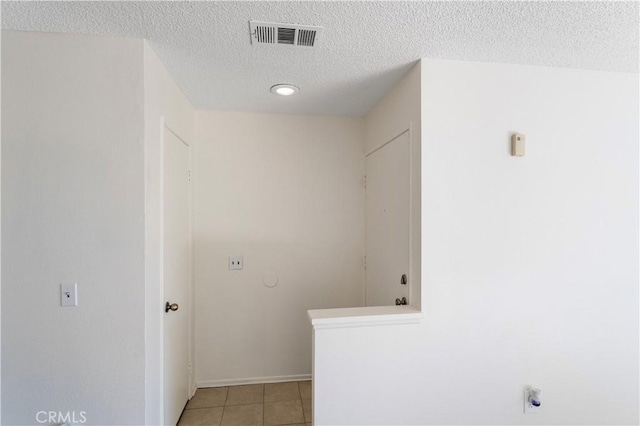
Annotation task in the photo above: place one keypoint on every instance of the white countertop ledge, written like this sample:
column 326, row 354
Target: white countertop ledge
column 364, row 317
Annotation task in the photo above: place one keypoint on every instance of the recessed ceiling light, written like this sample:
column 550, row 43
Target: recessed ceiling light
column 284, row 89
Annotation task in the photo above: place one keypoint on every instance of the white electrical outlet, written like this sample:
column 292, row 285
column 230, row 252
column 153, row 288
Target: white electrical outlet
column 69, row 294
column 235, row 262
column 529, row 408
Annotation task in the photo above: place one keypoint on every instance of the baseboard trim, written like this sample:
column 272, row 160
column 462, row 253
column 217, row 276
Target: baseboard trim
column 252, row 380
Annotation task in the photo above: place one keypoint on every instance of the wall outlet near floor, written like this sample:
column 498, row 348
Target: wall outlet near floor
column 235, row 262
column 529, row 408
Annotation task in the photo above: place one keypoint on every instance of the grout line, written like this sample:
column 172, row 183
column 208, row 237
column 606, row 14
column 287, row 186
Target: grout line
column 264, row 391
column 302, row 404
column 224, row 407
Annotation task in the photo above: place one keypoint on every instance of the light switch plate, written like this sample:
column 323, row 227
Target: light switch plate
column 235, row 262
column 69, row 294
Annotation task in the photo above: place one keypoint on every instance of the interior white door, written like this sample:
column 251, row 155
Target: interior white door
column 176, row 276
column 388, row 197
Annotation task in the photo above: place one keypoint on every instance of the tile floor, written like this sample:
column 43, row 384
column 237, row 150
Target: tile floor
column 264, row 404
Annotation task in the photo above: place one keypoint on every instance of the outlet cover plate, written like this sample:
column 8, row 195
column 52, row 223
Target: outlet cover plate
column 530, row 408
column 235, row 263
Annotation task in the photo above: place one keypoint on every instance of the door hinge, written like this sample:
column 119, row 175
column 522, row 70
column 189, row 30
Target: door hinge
column 189, row 176
column 364, row 181
column 364, row 262
column 189, row 369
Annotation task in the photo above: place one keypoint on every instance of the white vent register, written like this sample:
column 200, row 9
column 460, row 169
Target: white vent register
column 271, row 33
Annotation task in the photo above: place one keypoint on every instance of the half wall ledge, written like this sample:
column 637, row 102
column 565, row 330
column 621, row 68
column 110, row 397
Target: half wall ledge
column 364, row 316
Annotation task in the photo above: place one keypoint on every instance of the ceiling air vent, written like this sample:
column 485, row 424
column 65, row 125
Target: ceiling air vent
column 271, row 33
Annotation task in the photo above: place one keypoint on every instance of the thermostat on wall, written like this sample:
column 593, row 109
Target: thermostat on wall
column 517, row 144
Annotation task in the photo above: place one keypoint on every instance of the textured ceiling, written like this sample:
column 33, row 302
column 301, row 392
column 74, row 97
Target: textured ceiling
column 365, row 48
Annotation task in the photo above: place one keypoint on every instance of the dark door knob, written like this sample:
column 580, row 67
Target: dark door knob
column 402, row 301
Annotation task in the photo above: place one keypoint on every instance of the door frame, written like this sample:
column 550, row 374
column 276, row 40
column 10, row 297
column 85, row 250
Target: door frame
column 408, row 129
column 190, row 286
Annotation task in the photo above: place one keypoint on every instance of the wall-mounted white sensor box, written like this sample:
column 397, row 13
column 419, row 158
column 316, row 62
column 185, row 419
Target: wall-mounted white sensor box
column 69, row 294
column 235, row 262
column 517, row 144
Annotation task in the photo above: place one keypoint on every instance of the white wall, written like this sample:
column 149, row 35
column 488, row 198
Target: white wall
column 397, row 112
column 530, row 265
column 165, row 105
column 285, row 192
column 0, row 237
column 72, row 211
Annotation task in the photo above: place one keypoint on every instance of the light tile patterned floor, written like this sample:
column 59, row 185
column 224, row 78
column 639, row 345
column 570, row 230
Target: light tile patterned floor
column 264, row 404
